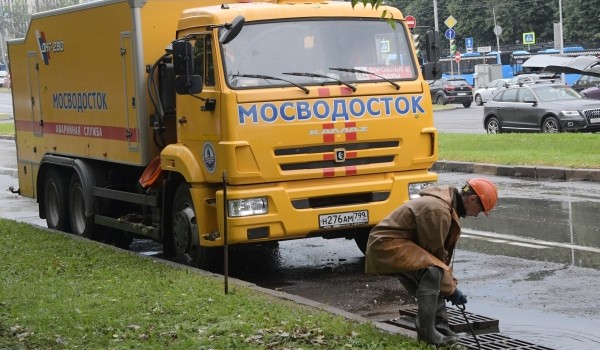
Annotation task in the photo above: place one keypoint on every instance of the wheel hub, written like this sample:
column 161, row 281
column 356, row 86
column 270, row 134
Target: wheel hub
column 184, row 226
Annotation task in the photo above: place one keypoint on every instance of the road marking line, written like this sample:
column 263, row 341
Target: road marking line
column 511, row 238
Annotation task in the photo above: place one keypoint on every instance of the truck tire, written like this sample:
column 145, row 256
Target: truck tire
column 186, row 244
column 81, row 225
column 55, row 201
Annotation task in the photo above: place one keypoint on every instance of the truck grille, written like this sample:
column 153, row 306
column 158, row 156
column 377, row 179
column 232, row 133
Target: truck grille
column 328, row 160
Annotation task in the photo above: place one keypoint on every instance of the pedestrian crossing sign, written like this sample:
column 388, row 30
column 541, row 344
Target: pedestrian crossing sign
column 385, row 46
column 529, row 38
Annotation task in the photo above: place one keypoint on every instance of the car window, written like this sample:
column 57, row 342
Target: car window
column 509, row 95
column 457, row 82
column 557, row 92
column 525, row 94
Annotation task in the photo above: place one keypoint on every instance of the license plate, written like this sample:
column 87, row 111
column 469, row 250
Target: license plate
column 594, row 120
column 350, row 218
column 461, row 93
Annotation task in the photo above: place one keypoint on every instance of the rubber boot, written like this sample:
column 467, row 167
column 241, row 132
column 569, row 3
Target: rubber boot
column 441, row 319
column 427, row 306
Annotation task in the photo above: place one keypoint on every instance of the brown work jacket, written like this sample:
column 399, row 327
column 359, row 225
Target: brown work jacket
column 421, row 233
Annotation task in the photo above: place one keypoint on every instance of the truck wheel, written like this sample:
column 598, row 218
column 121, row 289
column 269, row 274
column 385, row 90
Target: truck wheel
column 55, row 201
column 186, row 243
column 80, row 224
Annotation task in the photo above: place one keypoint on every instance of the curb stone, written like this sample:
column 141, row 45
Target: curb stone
column 521, row 171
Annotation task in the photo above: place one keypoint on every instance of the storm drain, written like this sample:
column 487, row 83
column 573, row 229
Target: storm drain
column 486, row 329
column 494, row 341
column 457, row 323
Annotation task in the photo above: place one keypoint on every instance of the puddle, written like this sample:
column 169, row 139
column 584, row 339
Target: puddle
column 550, row 230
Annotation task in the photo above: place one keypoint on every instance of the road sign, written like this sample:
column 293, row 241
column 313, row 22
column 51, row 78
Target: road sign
column 497, row 30
column 457, row 57
column 450, row 34
column 529, row 38
column 468, row 42
column 450, row 21
column 484, row 49
column 411, row 22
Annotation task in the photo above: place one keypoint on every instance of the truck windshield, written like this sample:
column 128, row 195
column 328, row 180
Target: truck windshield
column 357, row 50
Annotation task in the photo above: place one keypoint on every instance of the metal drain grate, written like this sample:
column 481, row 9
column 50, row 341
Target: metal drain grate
column 457, row 323
column 495, row 341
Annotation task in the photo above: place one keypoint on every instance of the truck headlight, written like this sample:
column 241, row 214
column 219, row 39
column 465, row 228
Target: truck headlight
column 415, row 189
column 248, row 206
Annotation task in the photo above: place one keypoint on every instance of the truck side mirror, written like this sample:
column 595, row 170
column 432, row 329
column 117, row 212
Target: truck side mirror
column 188, row 84
column 231, row 30
column 183, row 58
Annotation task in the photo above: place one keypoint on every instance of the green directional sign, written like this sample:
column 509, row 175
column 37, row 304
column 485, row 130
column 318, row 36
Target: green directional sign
column 529, row 38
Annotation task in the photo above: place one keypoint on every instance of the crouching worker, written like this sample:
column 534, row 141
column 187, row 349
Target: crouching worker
column 415, row 243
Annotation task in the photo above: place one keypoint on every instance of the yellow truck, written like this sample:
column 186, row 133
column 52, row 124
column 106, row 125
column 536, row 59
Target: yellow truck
column 208, row 124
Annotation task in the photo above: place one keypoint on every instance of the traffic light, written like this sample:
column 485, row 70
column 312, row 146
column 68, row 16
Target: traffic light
column 432, row 46
column 417, row 46
column 452, row 47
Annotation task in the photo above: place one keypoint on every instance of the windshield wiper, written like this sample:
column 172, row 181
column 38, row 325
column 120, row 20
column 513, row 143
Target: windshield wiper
column 268, row 77
column 354, row 70
column 315, row 75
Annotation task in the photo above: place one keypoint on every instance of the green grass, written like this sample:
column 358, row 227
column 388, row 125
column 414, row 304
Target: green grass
column 57, row 292
column 570, row 150
column 7, row 128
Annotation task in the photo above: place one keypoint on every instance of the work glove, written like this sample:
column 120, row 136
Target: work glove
column 458, row 298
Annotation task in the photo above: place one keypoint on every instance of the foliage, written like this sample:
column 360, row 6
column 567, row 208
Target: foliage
column 581, row 21
column 476, row 19
column 14, row 19
column 16, row 15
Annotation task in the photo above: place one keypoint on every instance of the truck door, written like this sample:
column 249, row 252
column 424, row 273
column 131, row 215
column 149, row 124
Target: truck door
column 129, row 91
column 34, row 93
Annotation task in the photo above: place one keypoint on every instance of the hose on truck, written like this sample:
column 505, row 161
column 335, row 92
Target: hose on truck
column 154, row 94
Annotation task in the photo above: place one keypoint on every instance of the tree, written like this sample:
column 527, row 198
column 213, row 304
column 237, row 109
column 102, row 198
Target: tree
column 14, row 18
column 581, row 21
column 476, row 19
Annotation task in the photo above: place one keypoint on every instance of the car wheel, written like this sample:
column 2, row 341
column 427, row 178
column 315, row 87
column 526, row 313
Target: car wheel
column 493, row 126
column 550, row 126
column 478, row 100
column 467, row 104
column 440, row 100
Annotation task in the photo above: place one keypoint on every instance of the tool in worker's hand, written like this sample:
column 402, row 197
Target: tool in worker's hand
column 461, row 307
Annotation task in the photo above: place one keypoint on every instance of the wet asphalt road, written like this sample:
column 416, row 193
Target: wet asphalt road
column 534, row 264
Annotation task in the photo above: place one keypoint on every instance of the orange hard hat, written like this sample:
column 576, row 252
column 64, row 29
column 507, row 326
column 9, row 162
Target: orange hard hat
column 486, row 191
